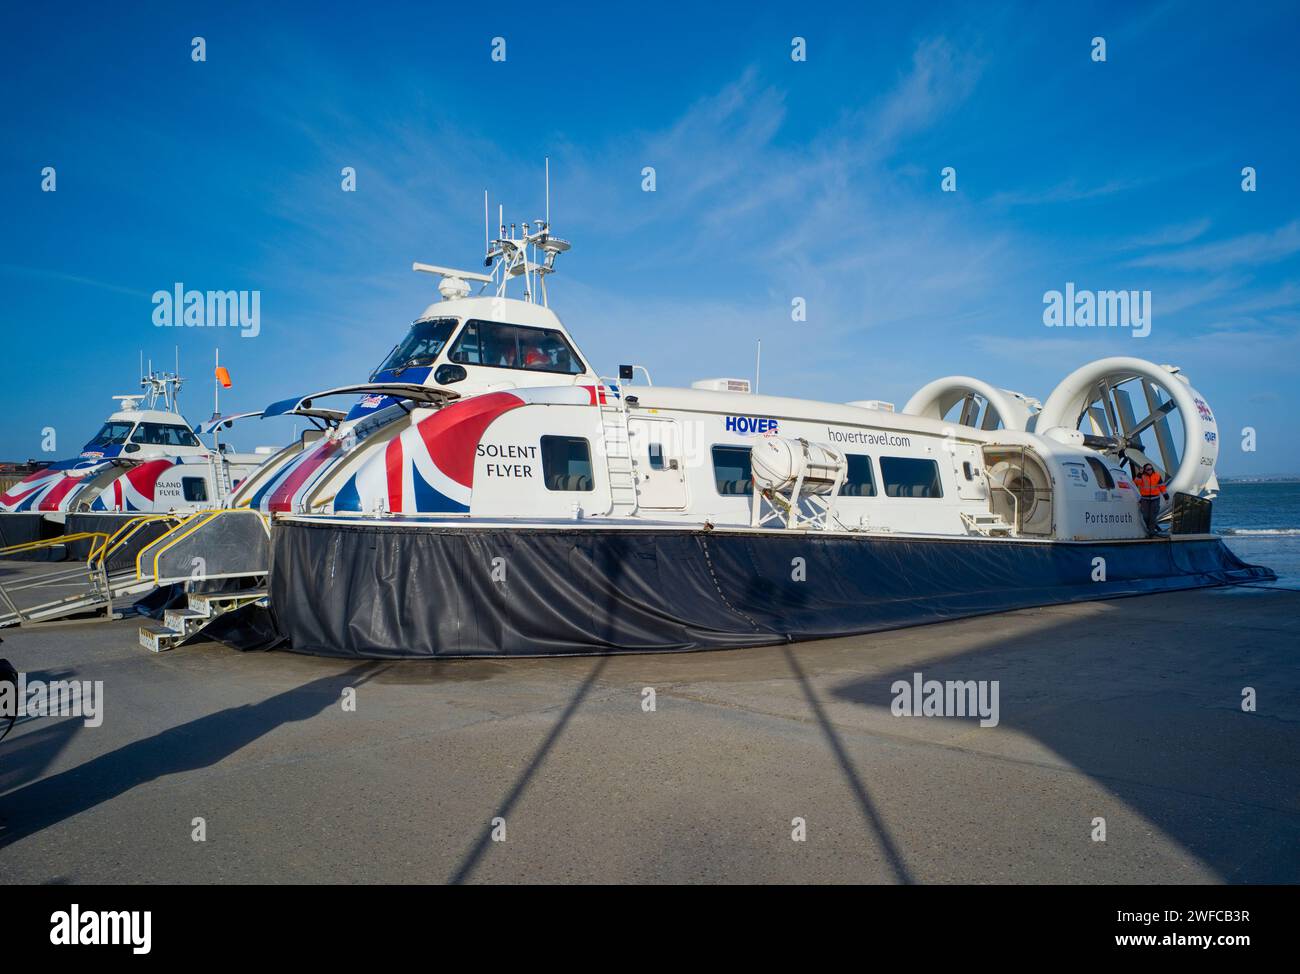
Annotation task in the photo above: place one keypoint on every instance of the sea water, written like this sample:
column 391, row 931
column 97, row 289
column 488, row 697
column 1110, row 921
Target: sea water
column 1261, row 524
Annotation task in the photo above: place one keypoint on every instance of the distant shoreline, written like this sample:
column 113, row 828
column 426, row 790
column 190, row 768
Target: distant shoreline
column 1236, row 481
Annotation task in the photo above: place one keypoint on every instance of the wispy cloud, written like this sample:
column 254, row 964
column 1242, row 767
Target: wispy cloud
column 1251, row 248
column 942, row 76
column 1169, row 236
column 1175, row 299
column 1069, row 191
column 65, row 278
column 1283, row 298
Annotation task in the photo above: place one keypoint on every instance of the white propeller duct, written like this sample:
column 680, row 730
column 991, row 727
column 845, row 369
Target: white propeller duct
column 1098, row 398
column 935, row 400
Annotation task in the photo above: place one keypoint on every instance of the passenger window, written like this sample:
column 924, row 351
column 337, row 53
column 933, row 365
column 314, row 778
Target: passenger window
column 1101, row 473
column 466, row 350
column 566, row 463
column 194, row 488
column 159, row 434
column 732, row 472
column 515, row 347
column 858, row 481
column 910, row 477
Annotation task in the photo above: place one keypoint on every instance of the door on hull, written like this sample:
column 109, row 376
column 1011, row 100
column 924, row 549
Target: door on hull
column 659, row 462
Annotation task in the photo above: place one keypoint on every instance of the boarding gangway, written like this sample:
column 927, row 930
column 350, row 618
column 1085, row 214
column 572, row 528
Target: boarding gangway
column 106, row 581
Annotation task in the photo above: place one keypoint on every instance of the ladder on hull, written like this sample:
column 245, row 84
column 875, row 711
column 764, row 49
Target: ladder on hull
column 618, row 451
column 221, row 475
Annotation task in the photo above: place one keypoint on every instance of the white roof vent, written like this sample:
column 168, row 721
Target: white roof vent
column 722, row 385
column 453, row 288
column 453, row 284
column 878, row 404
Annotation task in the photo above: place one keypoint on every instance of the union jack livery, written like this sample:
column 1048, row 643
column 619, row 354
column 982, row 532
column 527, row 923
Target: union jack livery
column 672, row 516
column 145, row 458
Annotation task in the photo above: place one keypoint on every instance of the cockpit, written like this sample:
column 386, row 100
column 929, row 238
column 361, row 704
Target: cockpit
column 482, row 343
column 164, row 434
column 421, row 346
column 112, row 433
column 117, row 432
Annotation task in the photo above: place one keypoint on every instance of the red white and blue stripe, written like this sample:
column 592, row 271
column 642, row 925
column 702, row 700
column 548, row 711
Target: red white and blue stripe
column 285, row 491
column 50, row 489
column 429, row 468
column 135, row 490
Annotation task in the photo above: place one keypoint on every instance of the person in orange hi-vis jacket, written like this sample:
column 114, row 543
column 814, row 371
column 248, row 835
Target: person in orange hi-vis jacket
column 1151, row 488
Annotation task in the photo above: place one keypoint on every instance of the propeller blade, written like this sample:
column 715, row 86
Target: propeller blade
column 1158, row 414
column 1107, row 399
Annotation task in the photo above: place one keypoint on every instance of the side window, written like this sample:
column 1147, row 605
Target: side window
column 547, row 351
column 566, row 463
column 656, row 450
column 858, row 481
column 732, row 472
column 466, row 351
column 161, row 434
column 910, row 477
column 179, row 436
column 1101, row 473
column 194, row 488
column 514, row 347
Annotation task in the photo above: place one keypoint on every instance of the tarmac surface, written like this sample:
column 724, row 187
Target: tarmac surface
column 1129, row 711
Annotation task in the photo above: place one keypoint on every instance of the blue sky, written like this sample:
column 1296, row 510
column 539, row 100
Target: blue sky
column 775, row 179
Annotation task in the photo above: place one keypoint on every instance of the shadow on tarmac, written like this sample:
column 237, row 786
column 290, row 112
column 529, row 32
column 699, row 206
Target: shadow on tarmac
column 196, row 744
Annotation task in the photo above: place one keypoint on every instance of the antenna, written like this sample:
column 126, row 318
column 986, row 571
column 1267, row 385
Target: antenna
column 515, row 250
column 758, row 365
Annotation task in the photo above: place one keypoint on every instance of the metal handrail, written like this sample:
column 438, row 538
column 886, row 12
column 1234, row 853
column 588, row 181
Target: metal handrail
column 51, row 542
column 122, row 535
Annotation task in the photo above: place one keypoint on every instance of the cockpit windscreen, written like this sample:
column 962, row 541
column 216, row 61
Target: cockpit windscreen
column 421, row 345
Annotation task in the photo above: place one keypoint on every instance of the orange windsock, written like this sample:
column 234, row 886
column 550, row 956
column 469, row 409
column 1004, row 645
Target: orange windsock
column 223, row 376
